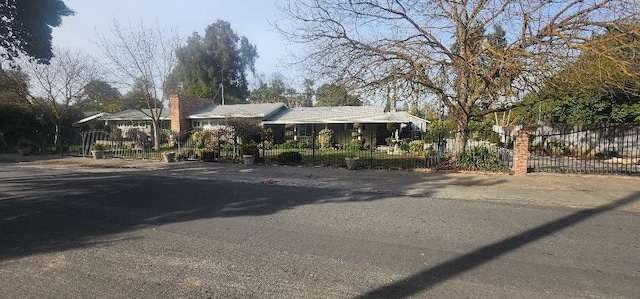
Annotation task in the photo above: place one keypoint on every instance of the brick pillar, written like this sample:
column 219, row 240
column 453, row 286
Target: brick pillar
column 521, row 152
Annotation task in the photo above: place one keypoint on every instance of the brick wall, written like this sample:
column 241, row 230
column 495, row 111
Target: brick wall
column 521, row 153
column 181, row 106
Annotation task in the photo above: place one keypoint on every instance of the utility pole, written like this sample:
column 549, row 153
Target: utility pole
column 222, row 84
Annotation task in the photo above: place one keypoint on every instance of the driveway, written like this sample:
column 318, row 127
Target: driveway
column 113, row 229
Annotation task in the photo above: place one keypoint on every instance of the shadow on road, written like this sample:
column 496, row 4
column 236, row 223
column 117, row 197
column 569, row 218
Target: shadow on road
column 43, row 212
column 440, row 273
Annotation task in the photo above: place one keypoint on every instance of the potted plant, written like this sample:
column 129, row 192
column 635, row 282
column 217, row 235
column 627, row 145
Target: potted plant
column 23, row 146
column 249, row 152
column 97, row 151
column 169, row 156
column 352, row 162
column 209, row 154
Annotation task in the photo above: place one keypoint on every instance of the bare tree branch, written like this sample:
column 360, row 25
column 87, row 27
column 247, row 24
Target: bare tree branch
column 442, row 45
column 144, row 55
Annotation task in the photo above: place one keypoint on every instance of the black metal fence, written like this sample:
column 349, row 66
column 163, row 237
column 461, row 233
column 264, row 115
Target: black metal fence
column 604, row 149
column 222, row 145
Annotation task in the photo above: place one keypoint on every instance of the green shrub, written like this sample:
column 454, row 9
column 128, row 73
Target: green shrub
column 289, row 144
column 416, row 147
column 266, row 145
column 98, row 147
column 480, row 158
column 304, row 144
column 356, row 145
column 250, row 148
column 325, row 138
column 202, row 138
column 289, row 158
column 404, row 147
column 225, row 146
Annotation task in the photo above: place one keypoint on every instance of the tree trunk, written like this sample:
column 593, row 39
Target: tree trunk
column 56, row 138
column 462, row 136
column 156, row 135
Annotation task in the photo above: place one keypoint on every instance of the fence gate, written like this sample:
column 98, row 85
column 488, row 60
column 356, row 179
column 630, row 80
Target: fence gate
column 135, row 145
column 606, row 149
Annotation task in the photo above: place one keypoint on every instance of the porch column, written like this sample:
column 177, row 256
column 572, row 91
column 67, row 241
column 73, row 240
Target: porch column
column 521, row 152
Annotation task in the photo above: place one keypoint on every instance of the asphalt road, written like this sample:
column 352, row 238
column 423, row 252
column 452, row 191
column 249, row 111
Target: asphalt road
column 69, row 232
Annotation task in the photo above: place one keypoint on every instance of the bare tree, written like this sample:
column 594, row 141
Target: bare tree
column 475, row 56
column 57, row 86
column 143, row 58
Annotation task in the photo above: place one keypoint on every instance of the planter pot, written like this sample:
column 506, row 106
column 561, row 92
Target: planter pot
column 352, row 163
column 249, row 159
column 169, row 157
column 23, row 151
column 97, row 154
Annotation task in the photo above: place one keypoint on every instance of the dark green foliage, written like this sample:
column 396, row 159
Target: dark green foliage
column 99, row 95
column 18, row 122
column 26, row 26
column 600, row 86
column 480, row 158
column 355, row 145
column 249, row 130
column 220, row 57
column 289, row 158
column 13, row 87
column 250, row 148
column 335, row 95
column 276, row 91
column 289, row 144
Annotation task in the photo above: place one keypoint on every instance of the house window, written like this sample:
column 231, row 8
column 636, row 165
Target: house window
column 303, row 130
column 196, row 124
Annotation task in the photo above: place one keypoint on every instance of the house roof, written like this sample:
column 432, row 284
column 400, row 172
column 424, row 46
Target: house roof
column 334, row 114
column 136, row 115
column 341, row 114
column 239, row 110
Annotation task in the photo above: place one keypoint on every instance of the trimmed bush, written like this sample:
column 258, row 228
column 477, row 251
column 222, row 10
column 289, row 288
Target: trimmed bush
column 480, row 158
column 325, row 138
column 289, row 158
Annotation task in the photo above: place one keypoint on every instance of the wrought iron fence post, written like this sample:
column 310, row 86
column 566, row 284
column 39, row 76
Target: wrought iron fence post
column 313, row 147
column 371, row 146
column 264, row 157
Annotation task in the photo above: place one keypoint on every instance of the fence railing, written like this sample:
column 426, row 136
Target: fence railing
column 220, row 146
column 604, row 149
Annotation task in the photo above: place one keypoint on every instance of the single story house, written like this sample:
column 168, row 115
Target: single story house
column 129, row 119
column 365, row 123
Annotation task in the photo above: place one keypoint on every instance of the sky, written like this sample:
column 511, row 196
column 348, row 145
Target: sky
column 248, row 18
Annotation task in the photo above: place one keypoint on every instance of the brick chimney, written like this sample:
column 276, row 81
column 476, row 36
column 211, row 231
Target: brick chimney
column 181, row 106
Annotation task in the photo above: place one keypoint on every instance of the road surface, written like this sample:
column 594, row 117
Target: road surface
column 234, row 232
